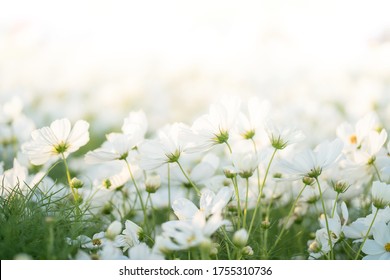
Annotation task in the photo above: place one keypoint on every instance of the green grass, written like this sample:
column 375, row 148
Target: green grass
column 39, row 227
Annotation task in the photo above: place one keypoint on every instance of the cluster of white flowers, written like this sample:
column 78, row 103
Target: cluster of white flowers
column 213, row 184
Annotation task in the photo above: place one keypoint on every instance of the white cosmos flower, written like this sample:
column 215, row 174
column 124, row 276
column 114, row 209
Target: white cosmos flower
column 199, row 173
column 210, row 203
column 117, row 147
column 96, row 242
column 282, row 136
column 354, row 136
column 321, row 245
column 13, row 178
column 58, row 139
column 129, row 237
column 372, row 145
column 309, row 163
column 252, row 125
column 110, row 251
column 181, row 235
column 166, row 148
column 213, row 128
column 358, row 228
column 380, row 194
column 143, row 252
column 379, row 247
column 136, row 126
column 244, row 164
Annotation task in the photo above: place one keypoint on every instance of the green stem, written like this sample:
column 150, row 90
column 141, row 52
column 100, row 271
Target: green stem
column 74, row 191
column 287, row 219
column 326, row 218
column 149, row 199
column 335, row 204
column 257, row 169
column 258, row 202
column 230, row 148
column 267, row 215
column 246, row 202
column 67, row 173
column 188, row 178
column 234, row 180
column 367, row 234
column 137, row 190
column 227, row 241
column 169, row 192
column 377, row 171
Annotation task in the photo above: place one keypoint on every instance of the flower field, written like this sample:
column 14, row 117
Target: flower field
column 259, row 132
column 234, row 184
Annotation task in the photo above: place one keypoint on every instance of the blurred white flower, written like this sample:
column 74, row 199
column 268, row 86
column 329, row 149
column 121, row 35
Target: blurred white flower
column 354, row 136
column 210, row 203
column 167, row 148
column 13, row 179
column 380, row 195
column 282, row 136
column 97, row 241
column 180, row 235
column 143, row 252
column 11, row 110
column 60, row 139
column 118, row 146
column 200, row 173
column 358, row 228
column 213, row 128
column 379, row 247
column 113, row 229
column 252, row 125
column 136, row 126
column 111, row 252
column 369, row 149
column 244, row 164
column 129, row 237
column 309, row 163
column 321, row 244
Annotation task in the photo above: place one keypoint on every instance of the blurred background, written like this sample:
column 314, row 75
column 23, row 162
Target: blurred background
column 98, row 60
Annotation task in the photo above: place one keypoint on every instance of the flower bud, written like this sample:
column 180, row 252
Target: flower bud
column 308, row 181
column 107, row 183
column 152, row 183
column 247, row 251
column 340, row 187
column 230, row 172
column 76, row 183
column 265, row 224
column 114, row 229
column 240, row 238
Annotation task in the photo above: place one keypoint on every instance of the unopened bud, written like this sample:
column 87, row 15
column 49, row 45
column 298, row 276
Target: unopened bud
column 265, row 224
column 340, row 187
column 152, row 183
column 308, row 181
column 114, row 229
column 107, row 183
column 240, row 238
column 76, row 183
column 230, row 173
column 247, row 251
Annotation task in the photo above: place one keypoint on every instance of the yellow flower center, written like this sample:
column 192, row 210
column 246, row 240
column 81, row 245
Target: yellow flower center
column 96, row 242
column 60, row 148
column 191, row 239
column 353, row 139
column 387, row 247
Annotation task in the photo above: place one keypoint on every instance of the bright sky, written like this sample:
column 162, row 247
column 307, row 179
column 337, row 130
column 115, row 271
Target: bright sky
column 66, row 45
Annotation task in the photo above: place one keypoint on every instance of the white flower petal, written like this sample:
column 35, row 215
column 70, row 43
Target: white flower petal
column 61, row 129
column 371, row 247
